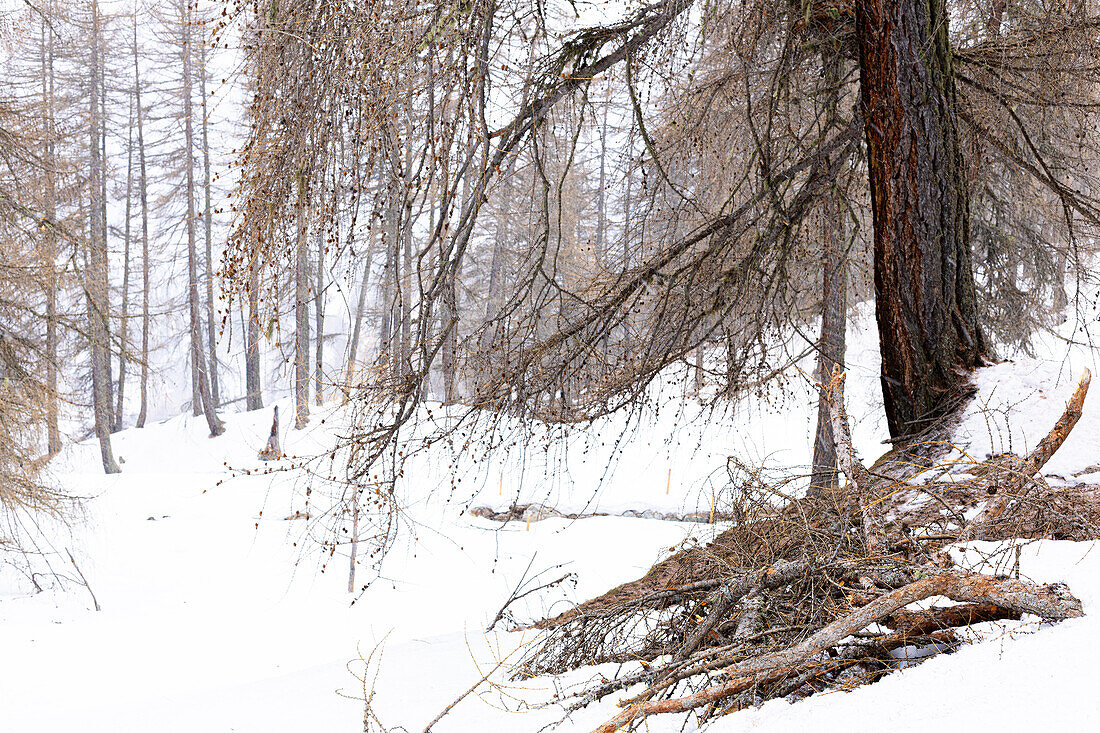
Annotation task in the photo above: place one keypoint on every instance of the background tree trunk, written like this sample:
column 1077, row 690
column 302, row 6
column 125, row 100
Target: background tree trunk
column 49, row 254
column 198, row 356
column 301, row 310
column 924, row 286
column 834, row 308
column 145, row 269
column 834, row 300
column 105, row 231
column 360, row 306
column 208, row 227
column 124, row 320
column 389, row 236
column 253, row 394
column 95, row 282
column 319, row 320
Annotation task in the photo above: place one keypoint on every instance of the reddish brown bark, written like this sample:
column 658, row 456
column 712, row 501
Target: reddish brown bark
column 924, row 285
column 920, row 623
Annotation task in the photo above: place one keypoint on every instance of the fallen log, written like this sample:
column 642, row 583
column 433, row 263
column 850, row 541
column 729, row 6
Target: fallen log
column 1050, row 602
column 922, row 623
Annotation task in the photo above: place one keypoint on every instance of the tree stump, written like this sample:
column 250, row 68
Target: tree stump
column 272, row 451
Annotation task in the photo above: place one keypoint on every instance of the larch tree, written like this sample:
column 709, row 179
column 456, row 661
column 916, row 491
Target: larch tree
column 209, row 274
column 143, row 197
column 96, row 283
column 204, row 403
column 925, row 297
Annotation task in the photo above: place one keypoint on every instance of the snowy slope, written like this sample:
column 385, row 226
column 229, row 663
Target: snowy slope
column 216, row 617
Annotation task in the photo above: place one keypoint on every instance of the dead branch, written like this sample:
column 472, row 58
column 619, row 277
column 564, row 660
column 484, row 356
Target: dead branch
column 874, row 526
column 1019, row 472
column 779, row 604
column 83, row 580
column 1051, row 602
column 921, row 623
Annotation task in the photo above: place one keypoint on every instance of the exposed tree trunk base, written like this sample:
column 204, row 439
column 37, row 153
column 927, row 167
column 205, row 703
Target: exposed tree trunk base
column 273, row 451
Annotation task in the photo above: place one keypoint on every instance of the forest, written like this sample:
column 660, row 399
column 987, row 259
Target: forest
column 642, row 364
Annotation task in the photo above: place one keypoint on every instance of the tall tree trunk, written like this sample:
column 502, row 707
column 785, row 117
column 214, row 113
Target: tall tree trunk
column 319, row 319
column 198, row 355
column 830, row 346
column 301, row 309
column 450, row 339
column 405, row 286
column 405, row 279
column 103, row 118
column 500, row 239
column 353, row 347
column 601, row 238
column 124, row 320
column 145, row 269
column 253, row 393
column 208, row 227
column 389, row 236
column 49, row 254
column 95, row 283
column 601, row 193
column 834, row 303
column 924, row 285
column 449, row 316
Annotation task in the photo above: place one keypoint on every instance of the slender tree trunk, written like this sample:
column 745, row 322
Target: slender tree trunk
column 405, row 287
column 426, row 388
column 103, row 121
column 95, row 270
column 253, row 393
column 208, row 228
column 124, row 320
column 301, row 309
column 924, row 285
column 319, row 320
column 1061, row 301
column 834, row 303
column 698, row 371
column 49, row 255
column 449, row 320
column 198, row 355
column 831, row 344
column 500, row 240
column 601, row 193
column 450, row 343
column 601, row 234
column 145, row 269
column 389, row 236
column 360, row 307
column 405, row 280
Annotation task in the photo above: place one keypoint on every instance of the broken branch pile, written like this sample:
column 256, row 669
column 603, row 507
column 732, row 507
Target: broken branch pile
column 807, row 594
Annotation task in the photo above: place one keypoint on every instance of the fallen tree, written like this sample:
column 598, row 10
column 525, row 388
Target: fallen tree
column 806, row 594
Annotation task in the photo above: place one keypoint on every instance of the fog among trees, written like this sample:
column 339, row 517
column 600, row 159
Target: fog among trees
column 461, row 223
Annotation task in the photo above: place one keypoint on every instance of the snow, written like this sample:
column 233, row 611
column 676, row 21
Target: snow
column 216, row 615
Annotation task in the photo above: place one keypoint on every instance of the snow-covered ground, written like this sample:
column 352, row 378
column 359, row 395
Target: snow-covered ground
column 216, row 615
